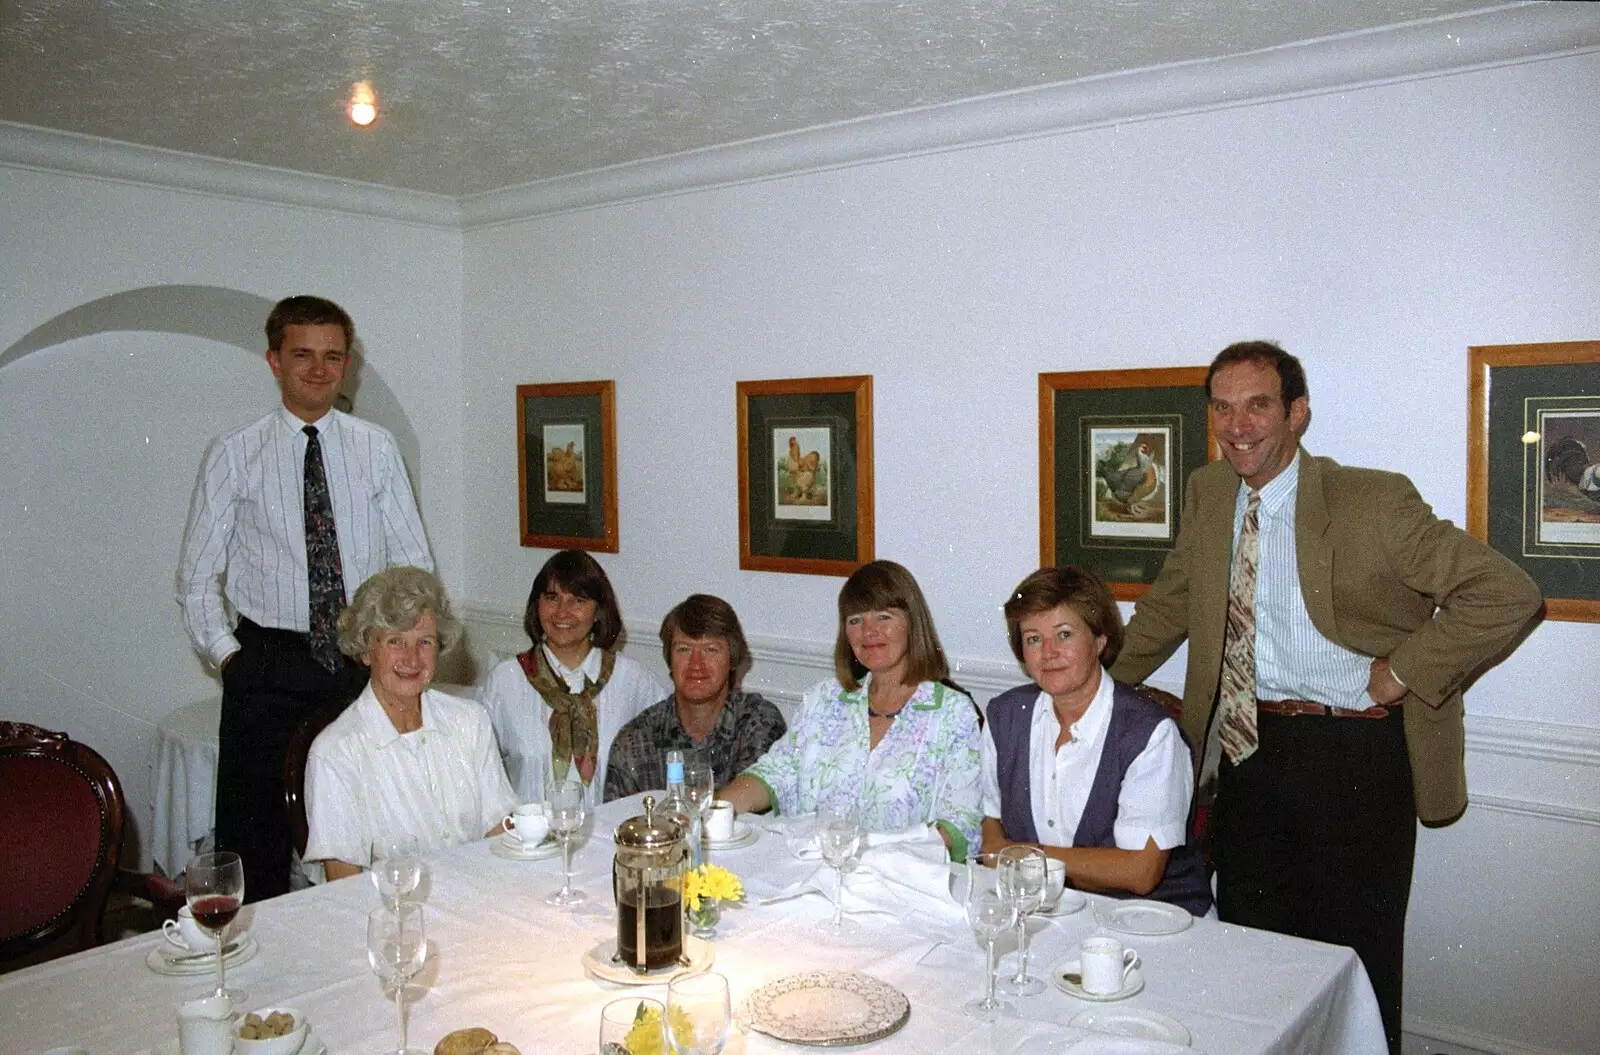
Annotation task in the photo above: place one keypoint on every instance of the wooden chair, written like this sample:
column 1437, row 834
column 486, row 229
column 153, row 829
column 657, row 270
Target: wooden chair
column 61, row 826
column 294, row 769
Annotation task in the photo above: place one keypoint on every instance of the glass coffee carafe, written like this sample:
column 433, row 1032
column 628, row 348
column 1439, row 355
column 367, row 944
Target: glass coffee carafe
column 647, row 882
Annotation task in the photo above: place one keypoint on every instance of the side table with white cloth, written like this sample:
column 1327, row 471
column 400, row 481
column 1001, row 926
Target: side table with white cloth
column 185, row 786
column 499, row 957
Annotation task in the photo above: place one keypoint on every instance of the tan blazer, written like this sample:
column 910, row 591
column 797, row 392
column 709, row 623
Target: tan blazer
column 1381, row 575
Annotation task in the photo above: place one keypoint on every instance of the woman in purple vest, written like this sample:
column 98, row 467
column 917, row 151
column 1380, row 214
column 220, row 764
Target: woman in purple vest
column 1080, row 766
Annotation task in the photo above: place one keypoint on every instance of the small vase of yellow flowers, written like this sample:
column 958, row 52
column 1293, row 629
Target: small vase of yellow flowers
column 705, row 890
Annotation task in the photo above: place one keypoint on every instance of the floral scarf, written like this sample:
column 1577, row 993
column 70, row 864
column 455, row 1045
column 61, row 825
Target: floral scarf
column 574, row 724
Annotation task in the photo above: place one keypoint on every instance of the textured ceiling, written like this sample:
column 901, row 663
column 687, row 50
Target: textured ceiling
column 478, row 96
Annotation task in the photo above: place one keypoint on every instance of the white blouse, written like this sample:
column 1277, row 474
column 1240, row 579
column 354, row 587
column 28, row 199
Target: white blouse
column 442, row 783
column 522, row 721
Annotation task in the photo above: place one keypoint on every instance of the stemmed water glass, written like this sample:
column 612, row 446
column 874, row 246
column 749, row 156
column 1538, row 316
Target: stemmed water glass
column 396, row 948
column 991, row 913
column 1022, row 877
column 698, row 1013
column 700, row 784
column 566, row 801
column 396, row 868
column 630, row 1023
column 214, row 886
column 839, row 835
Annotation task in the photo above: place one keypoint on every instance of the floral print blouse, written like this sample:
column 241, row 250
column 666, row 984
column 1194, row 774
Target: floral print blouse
column 925, row 770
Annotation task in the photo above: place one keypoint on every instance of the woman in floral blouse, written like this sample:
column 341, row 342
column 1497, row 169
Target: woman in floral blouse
column 889, row 733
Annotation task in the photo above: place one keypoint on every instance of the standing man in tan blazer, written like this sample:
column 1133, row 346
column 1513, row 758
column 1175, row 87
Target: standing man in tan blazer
column 1332, row 620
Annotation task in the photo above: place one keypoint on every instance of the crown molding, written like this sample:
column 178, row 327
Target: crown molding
column 31, row 147
column 1498, row 36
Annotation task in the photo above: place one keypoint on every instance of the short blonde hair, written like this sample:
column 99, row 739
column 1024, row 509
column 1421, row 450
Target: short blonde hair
column 396, row 599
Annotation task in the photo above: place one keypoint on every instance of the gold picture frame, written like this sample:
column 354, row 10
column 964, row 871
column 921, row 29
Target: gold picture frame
column 567, row 465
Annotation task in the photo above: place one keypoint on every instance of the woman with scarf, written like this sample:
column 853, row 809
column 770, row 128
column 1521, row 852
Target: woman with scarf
column 557, row 706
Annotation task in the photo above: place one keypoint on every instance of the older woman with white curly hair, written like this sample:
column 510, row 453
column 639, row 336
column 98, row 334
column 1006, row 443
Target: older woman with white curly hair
column 402, row 759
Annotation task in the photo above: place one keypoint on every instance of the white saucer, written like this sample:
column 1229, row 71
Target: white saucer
column 1133, row 1022
column 162, row 958
column 514, row 850
column 597, row 961
column 1071, row 901
column 312, row 1046
column 1058, row 975
column 1147, row 919
column 743, row 835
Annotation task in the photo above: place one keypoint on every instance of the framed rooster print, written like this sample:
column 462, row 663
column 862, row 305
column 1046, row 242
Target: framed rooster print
column 805, row 475
column 567, row 465
column 1533, row 466
column 1116, row 448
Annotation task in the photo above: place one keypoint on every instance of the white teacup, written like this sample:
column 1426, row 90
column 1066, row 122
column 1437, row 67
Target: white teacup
column 1055, row 880
column 719, row 821
column 185, row 933
column 205, row 1026
column 1106, row 965
column 528, row 824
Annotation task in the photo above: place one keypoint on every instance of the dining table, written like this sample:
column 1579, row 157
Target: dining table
column 501, row 958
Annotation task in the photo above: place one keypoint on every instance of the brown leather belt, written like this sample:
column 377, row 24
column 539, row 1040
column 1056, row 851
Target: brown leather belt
column 1291, row 708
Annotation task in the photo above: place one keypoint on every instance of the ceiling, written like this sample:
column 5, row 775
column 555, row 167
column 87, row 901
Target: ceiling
column 476, row 96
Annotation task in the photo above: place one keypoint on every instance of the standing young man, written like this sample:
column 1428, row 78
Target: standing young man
column 289, row 516
column 1332, row 620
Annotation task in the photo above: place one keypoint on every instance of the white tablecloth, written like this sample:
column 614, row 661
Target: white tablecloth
column 501, row 958
column 185, row 786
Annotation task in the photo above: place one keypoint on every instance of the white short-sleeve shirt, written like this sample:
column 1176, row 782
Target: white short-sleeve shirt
column 442, row 783
column 1152, row 803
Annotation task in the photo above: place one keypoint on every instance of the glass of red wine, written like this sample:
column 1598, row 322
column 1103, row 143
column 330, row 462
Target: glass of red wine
column 214, row 884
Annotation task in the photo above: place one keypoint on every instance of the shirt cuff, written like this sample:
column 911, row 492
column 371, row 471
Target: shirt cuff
column 221, row 649
column 958, row 841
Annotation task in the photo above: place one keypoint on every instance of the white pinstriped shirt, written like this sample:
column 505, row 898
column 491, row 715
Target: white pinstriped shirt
column 246, row 536
column 1293, row 660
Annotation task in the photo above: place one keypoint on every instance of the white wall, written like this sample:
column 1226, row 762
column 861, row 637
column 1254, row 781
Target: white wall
column 1376, row 232
column 103, row 434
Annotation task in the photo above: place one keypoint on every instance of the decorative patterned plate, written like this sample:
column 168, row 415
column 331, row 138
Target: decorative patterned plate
column 1145, row 918
column 187, row 964
column 826, row 1008
column 1133, row 1022
column 514, row 850
column 597, row 961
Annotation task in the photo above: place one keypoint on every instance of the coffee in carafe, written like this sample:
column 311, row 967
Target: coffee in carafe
column 647, row 883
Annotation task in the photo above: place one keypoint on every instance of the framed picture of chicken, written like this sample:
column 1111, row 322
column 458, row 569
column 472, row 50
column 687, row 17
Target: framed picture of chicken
column 805, row 474
column 567, row 465
column 1533, row 466
column 1115, row 450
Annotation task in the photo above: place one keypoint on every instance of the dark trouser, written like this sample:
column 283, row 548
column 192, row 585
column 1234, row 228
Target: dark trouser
column 268, row 688
column 1314, row 835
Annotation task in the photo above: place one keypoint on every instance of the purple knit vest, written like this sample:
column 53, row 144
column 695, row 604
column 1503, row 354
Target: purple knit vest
column 1133, row 719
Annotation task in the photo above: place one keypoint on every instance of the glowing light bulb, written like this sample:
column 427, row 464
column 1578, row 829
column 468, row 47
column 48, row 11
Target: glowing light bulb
column 363, row 104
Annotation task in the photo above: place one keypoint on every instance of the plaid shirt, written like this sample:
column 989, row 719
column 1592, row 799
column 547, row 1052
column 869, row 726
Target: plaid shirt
column 747, row 726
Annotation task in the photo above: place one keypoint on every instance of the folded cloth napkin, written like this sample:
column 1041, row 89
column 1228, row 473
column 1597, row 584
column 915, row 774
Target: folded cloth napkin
column 898, row 872
column 800, row 835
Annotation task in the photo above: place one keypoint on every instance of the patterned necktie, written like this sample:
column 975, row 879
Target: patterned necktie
column 322, row 558
column 1238, row 697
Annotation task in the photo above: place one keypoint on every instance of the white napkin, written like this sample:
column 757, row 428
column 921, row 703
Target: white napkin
column 898, row 872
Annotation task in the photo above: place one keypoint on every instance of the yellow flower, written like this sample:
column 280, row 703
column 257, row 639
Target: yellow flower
column 710, row 881
column 645, row 1038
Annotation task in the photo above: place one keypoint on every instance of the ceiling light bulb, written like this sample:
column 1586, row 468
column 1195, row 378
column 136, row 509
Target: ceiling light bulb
column 363, row 104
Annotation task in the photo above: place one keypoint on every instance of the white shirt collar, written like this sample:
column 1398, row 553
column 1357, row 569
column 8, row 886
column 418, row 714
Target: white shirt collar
column 1091, row 725
column 294, row 423
column 574, row 676
column 375, row 720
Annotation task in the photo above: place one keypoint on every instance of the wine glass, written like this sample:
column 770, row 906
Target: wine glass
column 214, row 886
column 633, row 1026
column 396, row 867
column 700, row 784
column 396, row 948
column 839, row 836
column 566, row 819
column 1022, row 878
column 698, row 1013
column 991, row 913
